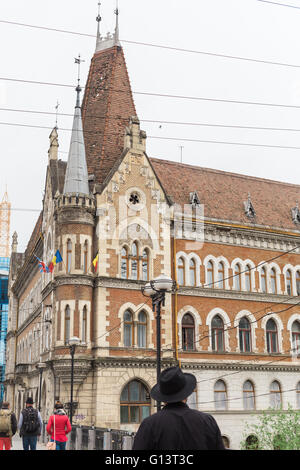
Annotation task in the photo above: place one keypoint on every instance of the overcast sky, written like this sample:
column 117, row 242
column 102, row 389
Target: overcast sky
column 245, row 28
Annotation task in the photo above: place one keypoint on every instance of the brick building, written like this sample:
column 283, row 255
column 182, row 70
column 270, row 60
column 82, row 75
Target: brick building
column 229, row 240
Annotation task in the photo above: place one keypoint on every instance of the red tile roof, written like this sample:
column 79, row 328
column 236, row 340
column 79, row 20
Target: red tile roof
column 223, row 194
column 106, row 109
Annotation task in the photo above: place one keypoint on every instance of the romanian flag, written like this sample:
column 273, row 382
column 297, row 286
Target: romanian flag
column 42, row 266
column 95, row 262
column 55, row 260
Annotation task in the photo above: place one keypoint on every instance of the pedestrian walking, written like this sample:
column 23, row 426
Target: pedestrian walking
column 58, row 427
column 8, row 426
column 176, row 426
column 30, row 425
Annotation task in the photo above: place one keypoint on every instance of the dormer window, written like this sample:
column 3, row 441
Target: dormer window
column 194, row 199
column 296, row 214
column 249, row 209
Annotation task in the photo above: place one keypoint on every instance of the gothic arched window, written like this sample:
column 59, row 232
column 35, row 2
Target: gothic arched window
column 192, row 270
column 124, row 263
column 245, row 335
column 85, row 256
column 248, row 395
column 275, row 395
column 180, row 272
column 69, row 256
column 273, row 281
column 128, row 329
column 67, row 323
column 142, row 330
column 296, row 337
column 188, row 332
column 237, row 277
column 210, row 274
column 221, row 275
column 272, row 339
column 145, row 265
column 217, row 333
column 220, row 393
column 248, row 278
column 288, row 279
column 263, row 280
column 135, row 402
column 134, row 261
column 298, row 282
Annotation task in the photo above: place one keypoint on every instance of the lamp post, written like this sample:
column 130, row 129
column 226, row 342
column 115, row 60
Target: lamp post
column 156, row 289
column 40, row 366
column 73, row 342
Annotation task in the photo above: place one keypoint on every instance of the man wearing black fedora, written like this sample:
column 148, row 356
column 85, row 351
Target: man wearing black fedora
column 176, row 426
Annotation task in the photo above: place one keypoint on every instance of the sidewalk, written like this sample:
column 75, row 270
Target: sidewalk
column 18, row 445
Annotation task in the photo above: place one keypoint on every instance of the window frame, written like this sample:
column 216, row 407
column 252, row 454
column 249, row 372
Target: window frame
column 218, row 393
column 215, row 338
column 249, row 395
column 184, row 333
column 270, row 338
column 131, row 324
column 181, row 271
column 243, row 332
column 135, row 403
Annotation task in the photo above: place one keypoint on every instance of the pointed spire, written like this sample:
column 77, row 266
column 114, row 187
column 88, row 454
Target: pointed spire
column 98, row 19
column 76, row 179
column 117, row 33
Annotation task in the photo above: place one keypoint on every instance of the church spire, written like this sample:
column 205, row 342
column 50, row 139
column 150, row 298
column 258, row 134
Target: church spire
column 76, row 179
column 110, row 40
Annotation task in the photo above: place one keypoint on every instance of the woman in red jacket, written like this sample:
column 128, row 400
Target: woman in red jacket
column 59, row 426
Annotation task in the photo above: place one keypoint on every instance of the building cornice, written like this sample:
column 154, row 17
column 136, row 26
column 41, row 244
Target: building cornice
column 239, row 366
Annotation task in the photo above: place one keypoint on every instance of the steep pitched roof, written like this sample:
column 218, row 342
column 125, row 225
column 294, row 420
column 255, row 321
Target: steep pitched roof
column 106, row 109
column 224, row 194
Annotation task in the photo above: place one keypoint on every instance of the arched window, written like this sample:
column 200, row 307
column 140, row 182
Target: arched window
column 188, row 332
column 145, row 265
column 67, row 323
column 180, row 272
column 85, row 256
column 217, row 333
column 237, row 278
column 298, row 395
column 245, row 335
column 220, row 394
column 69, row 256
column 272, row 340
column 124, row 263
column 221, row 275
column 248, row 395
column 142, row 330
column 128, row 329
column 192, row 269
column 84, row 325
column 273, row 281
column 252, row 442
column 298, row 282
column 296, row 337
column 248, row 278
column 134, row 261
column 288, row 278
column 210, row 274
column 263, row 280
column 226, row 442
column 275, row 395
column 135, row 402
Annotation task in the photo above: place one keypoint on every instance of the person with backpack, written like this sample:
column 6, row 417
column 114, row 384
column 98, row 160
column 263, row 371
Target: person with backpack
column 30, row 425
column 8, row 426
column 58, row 427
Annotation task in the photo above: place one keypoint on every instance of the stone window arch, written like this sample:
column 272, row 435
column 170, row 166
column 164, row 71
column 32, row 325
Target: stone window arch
column 217, row 334
column 237, row 277
column 210, row 274
column 181, row 271
column 263, row 279
column 272, row 336
column 142, row 330
column 221, row 275
column 188, row 332
column 128, row 328
column 220, row 394
column 296, row 337
column 135, row 402
column 275, row 395
column 192, row 272
column 245, row 335
column 248, row 395
column 124, row 263
column 289, row 282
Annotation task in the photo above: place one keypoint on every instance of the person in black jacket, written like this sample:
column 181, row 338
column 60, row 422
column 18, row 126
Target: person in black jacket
column 7, row 420
column 176, row 426
column 30, row 425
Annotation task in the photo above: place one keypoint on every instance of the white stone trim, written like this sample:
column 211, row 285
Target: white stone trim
column 136, row 309
column 227, row 324
column 197, row 322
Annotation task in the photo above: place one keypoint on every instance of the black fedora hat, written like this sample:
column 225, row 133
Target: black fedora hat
column 173, row 385
column 29, row 401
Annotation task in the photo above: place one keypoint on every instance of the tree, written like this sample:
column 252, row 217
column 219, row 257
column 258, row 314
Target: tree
column 275, row 430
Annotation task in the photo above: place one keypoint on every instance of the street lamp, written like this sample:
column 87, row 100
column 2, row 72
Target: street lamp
column 156, row 289
column 40, row 366
column 73, row 342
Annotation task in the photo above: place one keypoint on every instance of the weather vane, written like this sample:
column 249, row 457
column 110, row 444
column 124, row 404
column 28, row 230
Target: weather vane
column 56, row 107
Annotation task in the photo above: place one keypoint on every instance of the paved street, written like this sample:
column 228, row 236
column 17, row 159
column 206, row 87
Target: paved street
column 17, row 444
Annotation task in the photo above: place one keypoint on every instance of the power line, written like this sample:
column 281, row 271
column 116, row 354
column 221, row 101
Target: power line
column 279, row 4
column 162, row 46
column 178, row 139
column 165, row 95
column 156, row 121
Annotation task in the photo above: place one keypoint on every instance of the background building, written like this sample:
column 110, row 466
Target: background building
column 230, row 241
